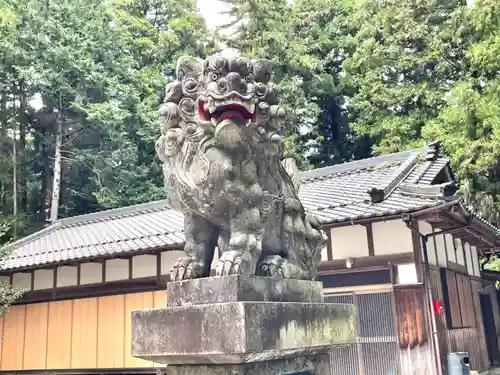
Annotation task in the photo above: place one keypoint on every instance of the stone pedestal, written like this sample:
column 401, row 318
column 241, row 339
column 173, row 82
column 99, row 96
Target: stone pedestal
column 243, row 325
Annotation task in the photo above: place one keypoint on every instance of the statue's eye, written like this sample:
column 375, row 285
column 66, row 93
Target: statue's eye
column 248, row 78
column 215, row 76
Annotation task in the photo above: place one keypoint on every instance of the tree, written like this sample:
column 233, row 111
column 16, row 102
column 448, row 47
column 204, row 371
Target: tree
column 98, row 71
column 305, row 41
column 7, row 294
column 404, row 61
column 469, row 123
column 425, row 70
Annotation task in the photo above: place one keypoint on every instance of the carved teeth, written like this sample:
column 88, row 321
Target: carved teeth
column 250, row 107
column 211, row 105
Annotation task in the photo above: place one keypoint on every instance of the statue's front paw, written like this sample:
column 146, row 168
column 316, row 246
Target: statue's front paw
column 275, row 265
column 187, row 268
column 233, row 263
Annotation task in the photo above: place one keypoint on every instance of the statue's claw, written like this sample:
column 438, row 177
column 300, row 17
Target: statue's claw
column 230, row 263
column 186, row 268
column 275, row 265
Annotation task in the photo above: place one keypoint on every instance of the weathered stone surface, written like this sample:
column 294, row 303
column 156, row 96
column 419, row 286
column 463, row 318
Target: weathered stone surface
column 241, row 288
column 222, row 156
column 316, row 365
column 240, row 332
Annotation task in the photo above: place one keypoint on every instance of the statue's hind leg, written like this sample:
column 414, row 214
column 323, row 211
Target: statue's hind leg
column 201, row 239
column 297, row 253
column 243, row 246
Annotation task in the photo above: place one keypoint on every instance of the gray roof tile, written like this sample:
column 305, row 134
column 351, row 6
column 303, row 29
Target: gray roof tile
column 334, row 194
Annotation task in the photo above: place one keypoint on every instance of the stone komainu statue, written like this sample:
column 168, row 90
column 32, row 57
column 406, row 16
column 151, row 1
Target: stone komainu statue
column 221, row 151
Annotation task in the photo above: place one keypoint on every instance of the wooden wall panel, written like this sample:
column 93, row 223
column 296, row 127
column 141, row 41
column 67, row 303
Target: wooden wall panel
column 84, row 334
column 111, row 332
column 35, row 336
column 160, row 298
column 13, row 338
column 59, row 339
column 1, row 339
column 133, row 302
column 73, row 334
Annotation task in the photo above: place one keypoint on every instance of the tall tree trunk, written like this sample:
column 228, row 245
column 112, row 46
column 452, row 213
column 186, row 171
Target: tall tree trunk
column 56, row 183
column 4, row 150
column 21, row 158
column 14, row 179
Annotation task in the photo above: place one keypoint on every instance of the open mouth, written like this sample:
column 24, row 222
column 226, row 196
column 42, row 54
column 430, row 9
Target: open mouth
column 233, row 108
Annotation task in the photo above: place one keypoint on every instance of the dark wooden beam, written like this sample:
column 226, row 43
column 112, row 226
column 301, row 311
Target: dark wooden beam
column 457, row 267
column 329, row 250
column 158, row 266
column 417, row 249
column 78, row 274
column 369, row 238
column 32, row 275
column 103, row 270
column 93, row 290
column 457, row 222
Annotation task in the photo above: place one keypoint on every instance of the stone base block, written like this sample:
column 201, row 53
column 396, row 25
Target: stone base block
column 241, row 288
column 240, row 332
column 312, row 365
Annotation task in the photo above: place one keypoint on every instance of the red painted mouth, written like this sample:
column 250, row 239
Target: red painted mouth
column 224, row 112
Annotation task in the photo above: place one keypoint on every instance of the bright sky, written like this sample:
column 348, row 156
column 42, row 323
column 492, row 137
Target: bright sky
column 211, row 9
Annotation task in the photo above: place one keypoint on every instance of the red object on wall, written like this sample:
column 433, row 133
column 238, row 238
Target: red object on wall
column 438, row 307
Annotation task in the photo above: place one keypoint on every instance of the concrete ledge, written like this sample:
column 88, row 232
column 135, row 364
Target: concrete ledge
column 317, row 365
column 240, row 288
column 240, row 332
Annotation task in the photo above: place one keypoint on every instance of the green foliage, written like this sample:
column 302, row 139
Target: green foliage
column 469, row 122
column 7, row 294
column 426, row 70
column 99, row 69
column 305, row 41
column 358, row 77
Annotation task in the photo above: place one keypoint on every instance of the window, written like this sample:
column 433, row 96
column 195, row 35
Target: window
column 410, row 316
column 458, row 300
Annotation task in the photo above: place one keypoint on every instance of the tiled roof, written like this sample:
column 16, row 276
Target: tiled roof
column 346, row 192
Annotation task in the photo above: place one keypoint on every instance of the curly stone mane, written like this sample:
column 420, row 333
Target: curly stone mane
column 222, row 157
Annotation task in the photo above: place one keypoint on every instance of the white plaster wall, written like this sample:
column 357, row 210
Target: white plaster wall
column 459, row 251
column 143, row 266
column 349, row 242
column 424, row 227
column 391, row 237
column 44, row 279
column 117, row 269
column 475, row 261
column 468, row 259
column 67, row 276
column 21, row 281
column 90, row 273
column 407, row 273
column 168, row 259
column 324, row 254
column 450, row 248
column 441, row 251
